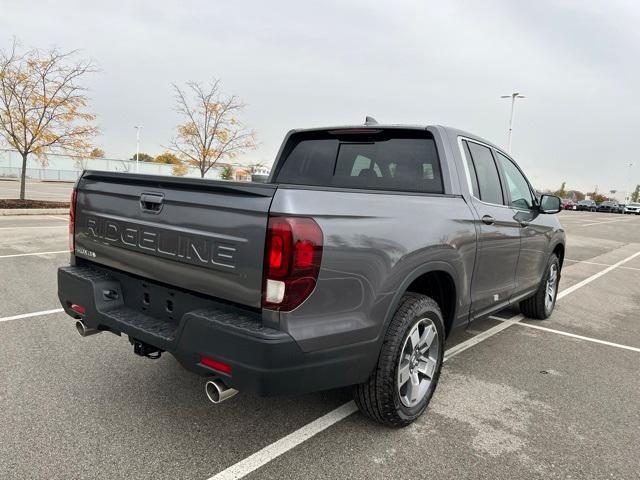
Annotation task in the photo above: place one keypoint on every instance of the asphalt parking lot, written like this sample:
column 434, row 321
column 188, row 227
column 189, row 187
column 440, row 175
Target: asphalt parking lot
column 35, row 190
column 517, row 398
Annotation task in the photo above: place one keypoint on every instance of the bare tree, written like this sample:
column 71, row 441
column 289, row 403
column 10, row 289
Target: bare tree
column 212, row 131
column 42, row 105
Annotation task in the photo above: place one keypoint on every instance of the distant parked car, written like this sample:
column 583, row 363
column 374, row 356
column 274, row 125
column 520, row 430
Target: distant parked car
column 632, row 208
column 621, row 208
column 568, row 204
column 608, row 206
column 588, row 205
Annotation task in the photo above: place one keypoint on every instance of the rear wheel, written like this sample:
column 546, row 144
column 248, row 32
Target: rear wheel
column 402, row 384
column 541, row 304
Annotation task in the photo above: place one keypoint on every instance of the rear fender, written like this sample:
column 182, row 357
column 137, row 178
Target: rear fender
column 432, row 266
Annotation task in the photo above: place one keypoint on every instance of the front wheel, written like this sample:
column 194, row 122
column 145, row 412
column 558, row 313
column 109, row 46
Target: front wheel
column 541, row 304
column 405, row 377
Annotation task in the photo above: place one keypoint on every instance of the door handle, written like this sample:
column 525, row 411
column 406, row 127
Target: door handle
column 488, row 220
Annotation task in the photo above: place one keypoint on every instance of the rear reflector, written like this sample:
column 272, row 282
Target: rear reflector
column 78, row 308
column 215, row 364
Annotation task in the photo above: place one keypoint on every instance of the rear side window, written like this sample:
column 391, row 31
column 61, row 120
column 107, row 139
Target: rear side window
column 487, row 173
column 403, row 161
column 473, row 176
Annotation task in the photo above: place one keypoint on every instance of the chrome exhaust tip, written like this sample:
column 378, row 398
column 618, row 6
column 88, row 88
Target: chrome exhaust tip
column 85, row 331
column 217, row 392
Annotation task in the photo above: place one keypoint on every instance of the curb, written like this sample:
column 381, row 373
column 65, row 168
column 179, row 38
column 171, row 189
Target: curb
column 33, row 211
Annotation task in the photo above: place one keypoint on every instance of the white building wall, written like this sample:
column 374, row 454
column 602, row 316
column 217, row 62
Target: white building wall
column 63, row 167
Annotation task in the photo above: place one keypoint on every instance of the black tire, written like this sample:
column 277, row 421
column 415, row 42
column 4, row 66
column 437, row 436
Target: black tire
column 535, row 306
column 379, row 396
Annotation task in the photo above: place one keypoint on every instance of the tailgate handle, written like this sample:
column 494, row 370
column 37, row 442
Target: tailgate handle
column 151, row 202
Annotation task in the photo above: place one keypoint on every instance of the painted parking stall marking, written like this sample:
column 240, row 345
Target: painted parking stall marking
column 30, row 315
column 572, row 335
column 599, row 264
column 34, row 226
column 14, row 255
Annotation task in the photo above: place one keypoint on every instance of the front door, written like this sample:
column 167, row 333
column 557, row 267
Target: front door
column 535, row 229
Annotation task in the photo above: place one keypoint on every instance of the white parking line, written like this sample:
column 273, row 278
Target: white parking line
column 573, row 335
column 596, row 263
column 593, row 277
column 30, row 254
column 274, row 450
column 58, row 218
column 18, row 227
column 481, row 337
column 33, row 314
column 279, row 447
column 605, row 222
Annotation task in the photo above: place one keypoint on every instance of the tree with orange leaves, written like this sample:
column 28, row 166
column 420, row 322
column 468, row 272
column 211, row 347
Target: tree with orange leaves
column 43, row 105
column 212, row 131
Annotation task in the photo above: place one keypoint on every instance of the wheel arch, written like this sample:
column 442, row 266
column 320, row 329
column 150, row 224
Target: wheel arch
column 558, row 250
column 438, row 280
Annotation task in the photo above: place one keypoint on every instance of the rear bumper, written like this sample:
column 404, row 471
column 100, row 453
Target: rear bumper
column 263, row 360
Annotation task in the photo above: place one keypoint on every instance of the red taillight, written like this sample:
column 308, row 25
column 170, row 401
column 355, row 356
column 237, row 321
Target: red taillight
column 215, row 364
column 292, row 261
column 78, row 308
column 72, row 221
column 279, row 243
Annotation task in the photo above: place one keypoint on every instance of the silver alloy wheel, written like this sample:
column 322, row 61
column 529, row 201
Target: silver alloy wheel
column 551, row 287
column 418, row 362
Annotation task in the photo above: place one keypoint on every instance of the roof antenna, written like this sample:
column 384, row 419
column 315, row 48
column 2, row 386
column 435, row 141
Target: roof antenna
column 370, row 121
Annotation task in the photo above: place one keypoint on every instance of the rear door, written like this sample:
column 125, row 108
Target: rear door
column 200, row 235
column 493, row 280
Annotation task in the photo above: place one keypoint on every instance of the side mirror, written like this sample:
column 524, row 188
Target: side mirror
column 550, row 204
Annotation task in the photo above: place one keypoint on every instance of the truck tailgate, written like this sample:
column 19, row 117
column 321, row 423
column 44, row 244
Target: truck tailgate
column 201, row 235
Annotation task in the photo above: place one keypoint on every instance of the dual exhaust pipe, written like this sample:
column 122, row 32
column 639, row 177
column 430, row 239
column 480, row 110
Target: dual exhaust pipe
column 216, row 391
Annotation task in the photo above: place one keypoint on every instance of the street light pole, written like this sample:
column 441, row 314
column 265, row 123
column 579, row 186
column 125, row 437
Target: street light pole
column 513, row 97
column 138, row 128
column 630, row 165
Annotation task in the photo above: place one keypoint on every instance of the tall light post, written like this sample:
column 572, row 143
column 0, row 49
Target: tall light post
column 138, row 128
column 630, row 165
column 513, row 97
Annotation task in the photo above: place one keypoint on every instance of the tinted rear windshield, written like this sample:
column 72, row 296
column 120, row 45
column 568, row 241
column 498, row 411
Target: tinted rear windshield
column 386, row 160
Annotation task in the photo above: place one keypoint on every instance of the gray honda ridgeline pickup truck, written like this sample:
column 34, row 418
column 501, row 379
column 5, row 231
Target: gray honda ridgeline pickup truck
column 349, row 267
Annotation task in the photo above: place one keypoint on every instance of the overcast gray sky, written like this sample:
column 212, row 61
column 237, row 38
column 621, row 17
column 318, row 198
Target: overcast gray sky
column 304, row 64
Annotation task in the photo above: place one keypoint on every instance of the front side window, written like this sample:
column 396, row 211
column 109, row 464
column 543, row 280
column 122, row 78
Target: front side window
column 487, row 173
column 518, row 186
